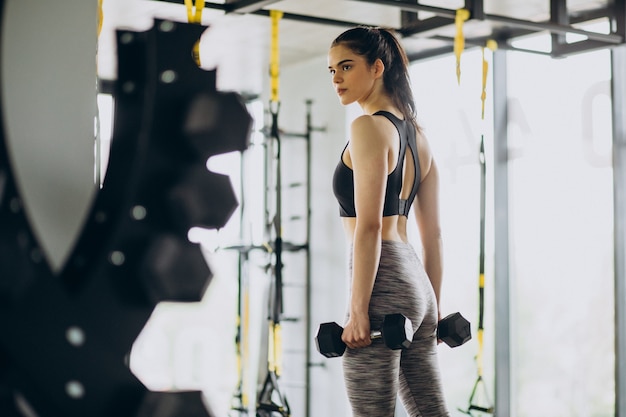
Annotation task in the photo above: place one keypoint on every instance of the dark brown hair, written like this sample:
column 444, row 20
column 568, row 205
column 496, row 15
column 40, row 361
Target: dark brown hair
column 373, row 43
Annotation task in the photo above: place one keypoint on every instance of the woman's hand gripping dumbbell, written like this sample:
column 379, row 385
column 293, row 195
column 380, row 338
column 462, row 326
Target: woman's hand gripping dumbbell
column 396, row 331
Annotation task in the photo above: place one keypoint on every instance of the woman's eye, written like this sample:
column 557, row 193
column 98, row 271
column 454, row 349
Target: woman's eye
column 346, row 67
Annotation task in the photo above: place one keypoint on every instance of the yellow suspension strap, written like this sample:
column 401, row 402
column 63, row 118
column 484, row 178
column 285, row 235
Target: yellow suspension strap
column 275, row 16
column 275, row 330
column 194, row 15
column 486, row 406
column 270, row 399
column 491, row 45
column 100, row 17
column 459, row 39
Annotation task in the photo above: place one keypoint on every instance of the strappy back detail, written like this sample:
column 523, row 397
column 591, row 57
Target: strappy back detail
column 343, row 179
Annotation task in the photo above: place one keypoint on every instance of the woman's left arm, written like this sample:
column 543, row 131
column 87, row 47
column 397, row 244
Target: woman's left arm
column 369, row 157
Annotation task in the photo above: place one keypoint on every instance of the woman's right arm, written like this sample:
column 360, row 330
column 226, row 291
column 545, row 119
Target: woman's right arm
column 428, row 222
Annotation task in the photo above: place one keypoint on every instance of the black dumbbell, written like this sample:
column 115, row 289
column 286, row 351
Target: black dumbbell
column 396, row 331
column 454, row 330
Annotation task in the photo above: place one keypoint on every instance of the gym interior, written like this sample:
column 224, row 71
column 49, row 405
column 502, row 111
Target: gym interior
column 147, row 271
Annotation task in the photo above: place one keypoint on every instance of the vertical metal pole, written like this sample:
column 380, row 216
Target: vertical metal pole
column 618, row 92
column 501, row 230
column 558, row 15
column 309, row 129
column 618, row 105
column 477, row 8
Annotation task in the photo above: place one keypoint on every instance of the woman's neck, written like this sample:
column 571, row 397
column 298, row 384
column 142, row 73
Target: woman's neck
column 382, row 103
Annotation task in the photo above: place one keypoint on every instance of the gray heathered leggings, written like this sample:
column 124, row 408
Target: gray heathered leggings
column 375, row 374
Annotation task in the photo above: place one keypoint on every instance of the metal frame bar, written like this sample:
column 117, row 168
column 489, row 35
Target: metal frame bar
column 246, row 6
column 558, row 15
column 309, row 285
column 618, row 106
column 618, row 92
column 418, row 26
column 611, row 38
column 311, row 19
column 443, row 17
column 233, row 8
column 503, row 35
column 501, row 235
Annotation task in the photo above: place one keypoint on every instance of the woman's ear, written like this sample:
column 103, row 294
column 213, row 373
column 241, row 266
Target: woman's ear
column 379, row 68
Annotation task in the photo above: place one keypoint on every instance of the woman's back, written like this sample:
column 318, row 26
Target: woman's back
column 394, row 227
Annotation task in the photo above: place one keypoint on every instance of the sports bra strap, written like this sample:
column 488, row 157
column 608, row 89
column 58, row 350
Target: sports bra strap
column 409, row 133
column 405, row 205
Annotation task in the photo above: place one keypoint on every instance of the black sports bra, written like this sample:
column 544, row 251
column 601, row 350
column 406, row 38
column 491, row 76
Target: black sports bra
column 343, row 179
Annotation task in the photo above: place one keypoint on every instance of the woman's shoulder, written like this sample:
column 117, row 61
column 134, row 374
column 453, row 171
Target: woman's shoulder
column 372, row 126
column 367, row 126
column 364, row 120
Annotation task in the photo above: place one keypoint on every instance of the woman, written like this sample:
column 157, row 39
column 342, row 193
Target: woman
column 385, row 167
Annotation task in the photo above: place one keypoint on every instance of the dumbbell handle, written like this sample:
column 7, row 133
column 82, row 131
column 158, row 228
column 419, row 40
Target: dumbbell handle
column 376, row 334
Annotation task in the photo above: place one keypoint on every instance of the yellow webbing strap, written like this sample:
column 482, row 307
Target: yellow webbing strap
column 245, row 347
column 479, row 333
column 491, row 45
column 275, row 16
column 194, row 15
column 278, row 345
column 194, row 11
column 459, row 39
column 274, row 355
column 100, row 17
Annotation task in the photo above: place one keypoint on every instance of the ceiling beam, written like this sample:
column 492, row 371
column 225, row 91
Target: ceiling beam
column 246, row 6
column 559, row 24
column 609, row 38
column 555, row 28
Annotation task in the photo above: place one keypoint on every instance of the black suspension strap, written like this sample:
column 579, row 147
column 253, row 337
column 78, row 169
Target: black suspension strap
column 486, row 406
column 271, row 400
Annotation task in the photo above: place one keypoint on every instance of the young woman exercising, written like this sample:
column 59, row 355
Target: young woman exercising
column 385, row 167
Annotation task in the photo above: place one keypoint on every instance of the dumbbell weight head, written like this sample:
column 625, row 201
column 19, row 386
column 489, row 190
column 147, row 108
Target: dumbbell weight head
column 328, row 340
column 397, row 331
column 454, row 330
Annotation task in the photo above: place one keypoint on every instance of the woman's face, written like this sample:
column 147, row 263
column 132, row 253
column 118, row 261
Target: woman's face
column 353, row 78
